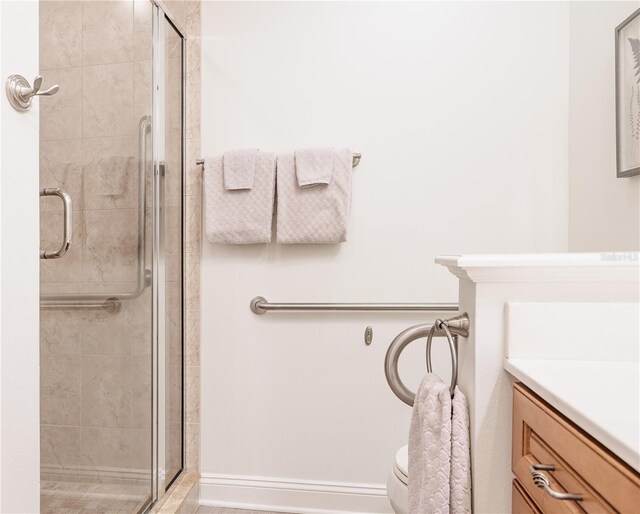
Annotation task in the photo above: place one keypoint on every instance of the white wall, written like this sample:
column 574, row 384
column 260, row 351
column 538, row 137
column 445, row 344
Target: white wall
column 19, row 273
column 460, row 112
column 604, row 211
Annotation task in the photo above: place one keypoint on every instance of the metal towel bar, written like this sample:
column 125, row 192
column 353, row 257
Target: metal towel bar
column 356, row 160
column 451, row 328
column 259, row 305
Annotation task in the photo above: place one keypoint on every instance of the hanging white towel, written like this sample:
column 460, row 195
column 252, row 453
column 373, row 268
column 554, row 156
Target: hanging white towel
column 314, row 166
column 239, row 168
column 242, row 216
column 460, row 490
column 317, row 214
column 439, row 463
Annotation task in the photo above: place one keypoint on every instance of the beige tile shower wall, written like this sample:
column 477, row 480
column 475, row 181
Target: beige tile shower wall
column 193, row 223
column 95, row 366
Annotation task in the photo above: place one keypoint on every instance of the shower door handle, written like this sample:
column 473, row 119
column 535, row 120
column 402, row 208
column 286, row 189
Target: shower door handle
column 67, row 226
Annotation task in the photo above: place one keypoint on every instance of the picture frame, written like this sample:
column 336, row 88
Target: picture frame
column 627, row 84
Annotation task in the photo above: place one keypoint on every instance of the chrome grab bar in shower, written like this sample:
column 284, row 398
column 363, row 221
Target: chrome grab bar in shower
column 259, row 305
column 451, row 328
column 110, row 305
column 67, row 230
column 111, row 301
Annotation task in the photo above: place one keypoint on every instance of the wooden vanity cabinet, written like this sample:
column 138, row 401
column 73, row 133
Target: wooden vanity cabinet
column 580, row 465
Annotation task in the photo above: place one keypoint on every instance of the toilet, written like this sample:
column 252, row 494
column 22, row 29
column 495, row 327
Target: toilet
column 397, row 482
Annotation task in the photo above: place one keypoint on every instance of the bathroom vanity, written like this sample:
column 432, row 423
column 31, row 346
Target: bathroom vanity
column 576, row 407
column 566, row 328
column 560, row 468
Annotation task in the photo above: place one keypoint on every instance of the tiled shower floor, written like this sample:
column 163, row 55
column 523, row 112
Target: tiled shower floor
column 57, row 497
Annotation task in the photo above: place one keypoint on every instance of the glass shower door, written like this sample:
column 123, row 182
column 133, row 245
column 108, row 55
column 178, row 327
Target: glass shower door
column 96, row 301
column 111, row 307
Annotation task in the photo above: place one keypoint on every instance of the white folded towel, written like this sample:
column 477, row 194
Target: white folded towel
column 439, row 462
column 314, row 166
column 239, row 168
column 316, row 214
column 243, row 216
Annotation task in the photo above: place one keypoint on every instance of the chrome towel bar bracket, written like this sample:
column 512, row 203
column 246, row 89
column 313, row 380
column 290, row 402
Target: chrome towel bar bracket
column 259, row 305
column 451, row 328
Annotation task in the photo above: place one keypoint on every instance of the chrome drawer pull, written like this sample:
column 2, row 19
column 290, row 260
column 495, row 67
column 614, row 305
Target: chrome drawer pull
column 541, row 481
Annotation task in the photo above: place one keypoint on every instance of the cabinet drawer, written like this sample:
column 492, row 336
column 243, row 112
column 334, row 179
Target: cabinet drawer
column 520, row 502
column 541, row 435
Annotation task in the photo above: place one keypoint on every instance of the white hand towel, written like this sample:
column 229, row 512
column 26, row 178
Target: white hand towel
column 430, row 448
column 314, row 166
column 239, row 168
column 439, row 478
column 460, row 496
column 317, row 214
column 243, row 216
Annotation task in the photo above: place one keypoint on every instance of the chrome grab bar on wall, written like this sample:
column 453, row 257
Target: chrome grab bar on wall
column 260, row 305
column 111, row 302
column 451, row 328
column 67, row 225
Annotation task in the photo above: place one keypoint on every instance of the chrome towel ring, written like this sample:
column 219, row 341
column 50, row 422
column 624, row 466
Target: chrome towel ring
column 450, row 328
column 453, row 349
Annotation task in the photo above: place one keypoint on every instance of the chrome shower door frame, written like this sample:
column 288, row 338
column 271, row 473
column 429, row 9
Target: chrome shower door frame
column 156, row 128
column 160, row 13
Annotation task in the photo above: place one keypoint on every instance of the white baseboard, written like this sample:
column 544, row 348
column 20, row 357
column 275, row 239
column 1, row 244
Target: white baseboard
column 290, row 495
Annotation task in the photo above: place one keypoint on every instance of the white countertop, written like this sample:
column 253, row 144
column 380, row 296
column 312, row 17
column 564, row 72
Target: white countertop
column 545, row 267
column 567, row 259
column 601, row 397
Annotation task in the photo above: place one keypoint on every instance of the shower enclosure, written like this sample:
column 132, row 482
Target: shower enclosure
column 111, row 338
